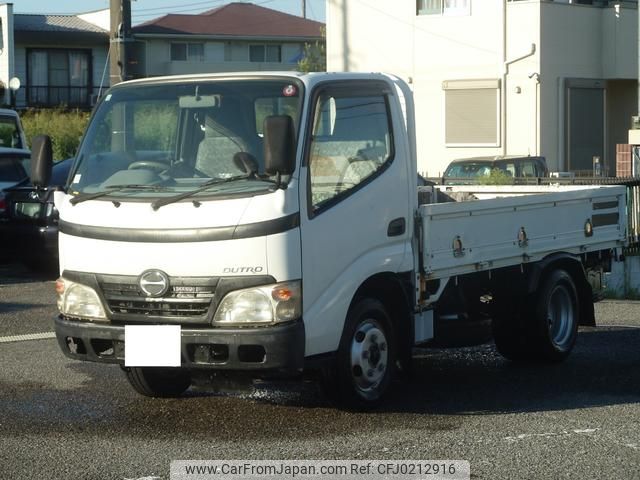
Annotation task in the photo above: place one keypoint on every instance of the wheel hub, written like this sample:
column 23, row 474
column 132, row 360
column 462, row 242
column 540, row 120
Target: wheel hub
column 368, row 355
column 560, row 314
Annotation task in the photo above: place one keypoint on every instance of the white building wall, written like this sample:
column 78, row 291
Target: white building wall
column 99, row 18
column 6, row 54
column 523, row 85
column 570, row 41
column 451, row 48
column 620, row 43
column 376, row 35
column 430, row 49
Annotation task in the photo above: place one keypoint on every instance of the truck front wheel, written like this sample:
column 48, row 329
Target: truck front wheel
column 366, row 356
column 158, row 382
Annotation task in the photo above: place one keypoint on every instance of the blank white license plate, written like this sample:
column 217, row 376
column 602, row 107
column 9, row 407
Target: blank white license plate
column 152, row 345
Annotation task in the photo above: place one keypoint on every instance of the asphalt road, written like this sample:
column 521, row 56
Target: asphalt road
column 62, row 419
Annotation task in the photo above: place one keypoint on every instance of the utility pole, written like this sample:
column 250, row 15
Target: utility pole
column 120, row 38
column 304, row 8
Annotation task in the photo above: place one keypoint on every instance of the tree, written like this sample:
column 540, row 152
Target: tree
column 314, row 55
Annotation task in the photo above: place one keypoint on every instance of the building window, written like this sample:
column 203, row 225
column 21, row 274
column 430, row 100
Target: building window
column 472, row 111
column 59, row 77
column 444, row 7
column 183, row 52
column 265, row 53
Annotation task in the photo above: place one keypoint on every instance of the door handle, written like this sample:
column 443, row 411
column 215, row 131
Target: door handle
column 396, row 227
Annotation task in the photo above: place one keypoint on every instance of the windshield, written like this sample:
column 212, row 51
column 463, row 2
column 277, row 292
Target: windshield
column 10, row 133
column 180, row 136
column 466, row 170
column 14, row 167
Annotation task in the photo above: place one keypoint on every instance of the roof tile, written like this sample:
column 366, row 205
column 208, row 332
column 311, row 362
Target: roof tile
column 234, row 19
column 53, row 23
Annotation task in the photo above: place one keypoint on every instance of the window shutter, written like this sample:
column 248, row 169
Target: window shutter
column 471, row 112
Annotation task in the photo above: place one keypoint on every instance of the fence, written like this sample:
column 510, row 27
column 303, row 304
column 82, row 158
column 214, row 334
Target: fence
column 70, row 96
column 633, row 197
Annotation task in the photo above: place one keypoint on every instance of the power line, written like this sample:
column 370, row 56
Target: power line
column 208, row 2
column 189, row 10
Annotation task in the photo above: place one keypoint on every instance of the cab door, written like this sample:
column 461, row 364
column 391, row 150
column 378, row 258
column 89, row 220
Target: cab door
column 356, row 222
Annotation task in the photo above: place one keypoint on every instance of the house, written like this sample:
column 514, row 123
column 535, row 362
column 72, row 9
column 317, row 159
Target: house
column 63, row 59
column 540, row 77
column 233, row 37
column 59, row 59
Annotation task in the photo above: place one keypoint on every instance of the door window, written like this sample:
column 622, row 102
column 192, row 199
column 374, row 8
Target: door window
column 351, row 143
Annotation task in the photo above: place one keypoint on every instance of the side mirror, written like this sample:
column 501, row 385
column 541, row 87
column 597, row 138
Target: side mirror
column 41, row 161
column 279, row 145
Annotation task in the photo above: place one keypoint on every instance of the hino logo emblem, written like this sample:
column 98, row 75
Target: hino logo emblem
column 154, row 283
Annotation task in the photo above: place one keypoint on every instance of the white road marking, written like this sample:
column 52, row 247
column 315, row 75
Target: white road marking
column 28, row 337
column 603, row 325
column 523, row 436
column 589, row 432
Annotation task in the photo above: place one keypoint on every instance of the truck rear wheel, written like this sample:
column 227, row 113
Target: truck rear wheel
column 158, row 382
column 366, row 357
column 553, row 320
column 509, row 336
column 543, row 329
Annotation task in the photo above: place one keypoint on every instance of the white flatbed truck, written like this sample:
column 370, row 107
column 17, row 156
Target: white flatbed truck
column 273, row 220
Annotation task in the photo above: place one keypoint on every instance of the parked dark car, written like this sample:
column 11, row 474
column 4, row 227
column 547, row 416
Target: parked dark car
column 513, row 166
column 11, row 131
column 31, row 226
column 14, row 165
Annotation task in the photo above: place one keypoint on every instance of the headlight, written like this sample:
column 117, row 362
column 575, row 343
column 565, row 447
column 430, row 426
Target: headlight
column 280, row 302
column 76, row 300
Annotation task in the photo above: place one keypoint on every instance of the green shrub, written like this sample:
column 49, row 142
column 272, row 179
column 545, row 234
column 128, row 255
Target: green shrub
column 496, row 177
column 151, row 124
column 65, row 127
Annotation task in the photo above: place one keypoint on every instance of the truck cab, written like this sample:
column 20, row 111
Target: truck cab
column 206, row 201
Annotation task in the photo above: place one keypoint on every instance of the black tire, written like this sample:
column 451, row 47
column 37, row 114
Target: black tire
column 552, row 321
column 158, row 382
column 366, row 360
column 543, row 328
column 509, row 335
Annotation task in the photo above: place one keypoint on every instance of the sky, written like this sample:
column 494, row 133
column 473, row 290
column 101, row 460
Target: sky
column 144, row 10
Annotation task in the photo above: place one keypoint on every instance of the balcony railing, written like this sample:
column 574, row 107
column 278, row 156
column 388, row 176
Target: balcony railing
column 67, row 95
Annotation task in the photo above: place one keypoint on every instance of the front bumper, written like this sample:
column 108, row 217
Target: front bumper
column 277, row 349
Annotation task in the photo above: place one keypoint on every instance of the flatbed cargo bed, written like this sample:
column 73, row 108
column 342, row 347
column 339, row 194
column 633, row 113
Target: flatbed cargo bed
column 460, row 237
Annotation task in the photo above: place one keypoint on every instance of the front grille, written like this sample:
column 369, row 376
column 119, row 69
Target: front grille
column 183, row 299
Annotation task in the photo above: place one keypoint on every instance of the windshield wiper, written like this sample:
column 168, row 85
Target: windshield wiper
column 83, row 197
column 216, row 181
